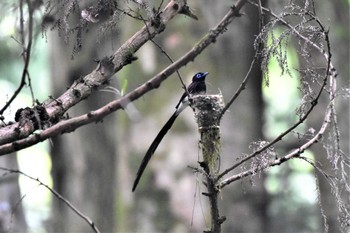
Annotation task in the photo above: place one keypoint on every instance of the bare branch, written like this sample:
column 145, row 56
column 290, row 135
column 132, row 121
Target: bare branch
column 240, row 88
column 172, row 61
column 25, row 53
column 56, row 194
column 9, row 135
column 82, row 88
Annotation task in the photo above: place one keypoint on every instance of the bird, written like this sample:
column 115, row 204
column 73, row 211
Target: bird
column 197, row 87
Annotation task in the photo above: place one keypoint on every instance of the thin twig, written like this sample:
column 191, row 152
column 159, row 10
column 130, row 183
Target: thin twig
column 59, row 196
column 160, row 6
column 241, row 87
column 172, row 61
column 25, row 53
column 284, row 22
column 294, row 154
column 167, row 55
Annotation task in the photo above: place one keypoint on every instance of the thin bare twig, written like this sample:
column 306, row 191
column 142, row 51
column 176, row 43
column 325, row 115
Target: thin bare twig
column 172, row 61
column 167, row 55
column 294, row 154
column 56, row 194
column 25, row 53
column 240, row 88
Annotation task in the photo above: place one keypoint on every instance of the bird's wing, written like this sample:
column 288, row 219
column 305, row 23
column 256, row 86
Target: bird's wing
column 184, row 95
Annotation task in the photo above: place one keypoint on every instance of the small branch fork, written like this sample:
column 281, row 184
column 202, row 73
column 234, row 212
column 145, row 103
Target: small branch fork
column 10, row 136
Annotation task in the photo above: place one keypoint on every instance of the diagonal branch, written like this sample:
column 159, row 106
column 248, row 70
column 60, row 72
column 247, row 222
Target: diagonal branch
column 97, row 115
column 240, row 88
column 82, row 88
column 294, row 154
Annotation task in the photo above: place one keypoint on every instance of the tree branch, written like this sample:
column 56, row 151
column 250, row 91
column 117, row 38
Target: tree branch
column 9, row 135
column 59, row 196
column 82, row 88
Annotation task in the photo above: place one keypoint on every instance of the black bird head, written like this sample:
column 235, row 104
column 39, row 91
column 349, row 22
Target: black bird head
column 200, row 76
column 197, row 87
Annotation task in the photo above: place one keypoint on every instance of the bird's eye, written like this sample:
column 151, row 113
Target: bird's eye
column 198, row 75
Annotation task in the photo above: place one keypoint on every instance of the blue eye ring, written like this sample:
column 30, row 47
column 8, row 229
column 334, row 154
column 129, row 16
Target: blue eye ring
column 198, row 75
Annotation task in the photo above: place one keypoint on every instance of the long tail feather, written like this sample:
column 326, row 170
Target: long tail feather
column 153, row 147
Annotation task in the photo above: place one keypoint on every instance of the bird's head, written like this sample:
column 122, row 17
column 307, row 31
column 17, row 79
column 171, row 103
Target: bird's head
column 200, row 76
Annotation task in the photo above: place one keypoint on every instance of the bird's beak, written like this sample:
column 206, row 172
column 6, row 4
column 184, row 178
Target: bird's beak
column 206, row 73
